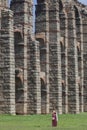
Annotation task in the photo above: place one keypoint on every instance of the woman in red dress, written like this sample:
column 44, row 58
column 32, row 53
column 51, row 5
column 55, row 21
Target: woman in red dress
column 54, row 118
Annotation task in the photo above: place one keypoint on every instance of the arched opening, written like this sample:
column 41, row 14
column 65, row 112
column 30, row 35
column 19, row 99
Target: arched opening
column 43, row 97
column 42, row 54
column 18, row 38
column 63, row 96
column 19, row 91
column 76, row 12
column 40, row 1
column 80, row 94
column 62, row 46
column 63, row 70
column 62, row 59
column 60, row 6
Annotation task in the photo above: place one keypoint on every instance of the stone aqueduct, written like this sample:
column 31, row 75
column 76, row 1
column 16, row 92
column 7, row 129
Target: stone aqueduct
column 46, row 70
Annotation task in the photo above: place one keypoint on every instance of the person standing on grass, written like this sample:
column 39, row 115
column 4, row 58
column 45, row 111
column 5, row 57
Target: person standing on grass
column 54, row 118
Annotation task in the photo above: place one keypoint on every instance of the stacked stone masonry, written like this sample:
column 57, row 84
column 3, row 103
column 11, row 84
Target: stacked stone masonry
column 47, row 69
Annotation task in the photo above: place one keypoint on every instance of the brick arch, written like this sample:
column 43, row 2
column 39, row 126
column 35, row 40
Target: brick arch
column 40, row 36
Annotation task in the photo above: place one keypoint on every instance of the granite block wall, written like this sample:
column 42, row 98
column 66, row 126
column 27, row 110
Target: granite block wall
column 7, row 101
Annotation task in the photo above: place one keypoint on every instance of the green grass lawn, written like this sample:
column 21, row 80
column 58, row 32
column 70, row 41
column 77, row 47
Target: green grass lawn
column 43, row 122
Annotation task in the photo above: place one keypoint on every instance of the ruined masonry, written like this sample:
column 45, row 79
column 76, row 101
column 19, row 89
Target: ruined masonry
column 47, row 69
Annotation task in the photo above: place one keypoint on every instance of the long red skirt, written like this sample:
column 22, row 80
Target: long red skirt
column 54, row 123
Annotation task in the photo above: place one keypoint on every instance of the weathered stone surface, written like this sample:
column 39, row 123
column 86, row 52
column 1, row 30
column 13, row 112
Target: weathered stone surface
column 7, row 80
column 50, row 73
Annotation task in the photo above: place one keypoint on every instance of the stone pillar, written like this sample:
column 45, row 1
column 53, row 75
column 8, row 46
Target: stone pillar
column 34, row 86
column 79, row 34
column 84, row 22
column 42, row 28
column 8, row 63
column 1, row 64
column 73, row 88
column 47, row 56
column 23, row 27
column 82, row 67
column 64, row 59
column 54, row 58
column 28, row 29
